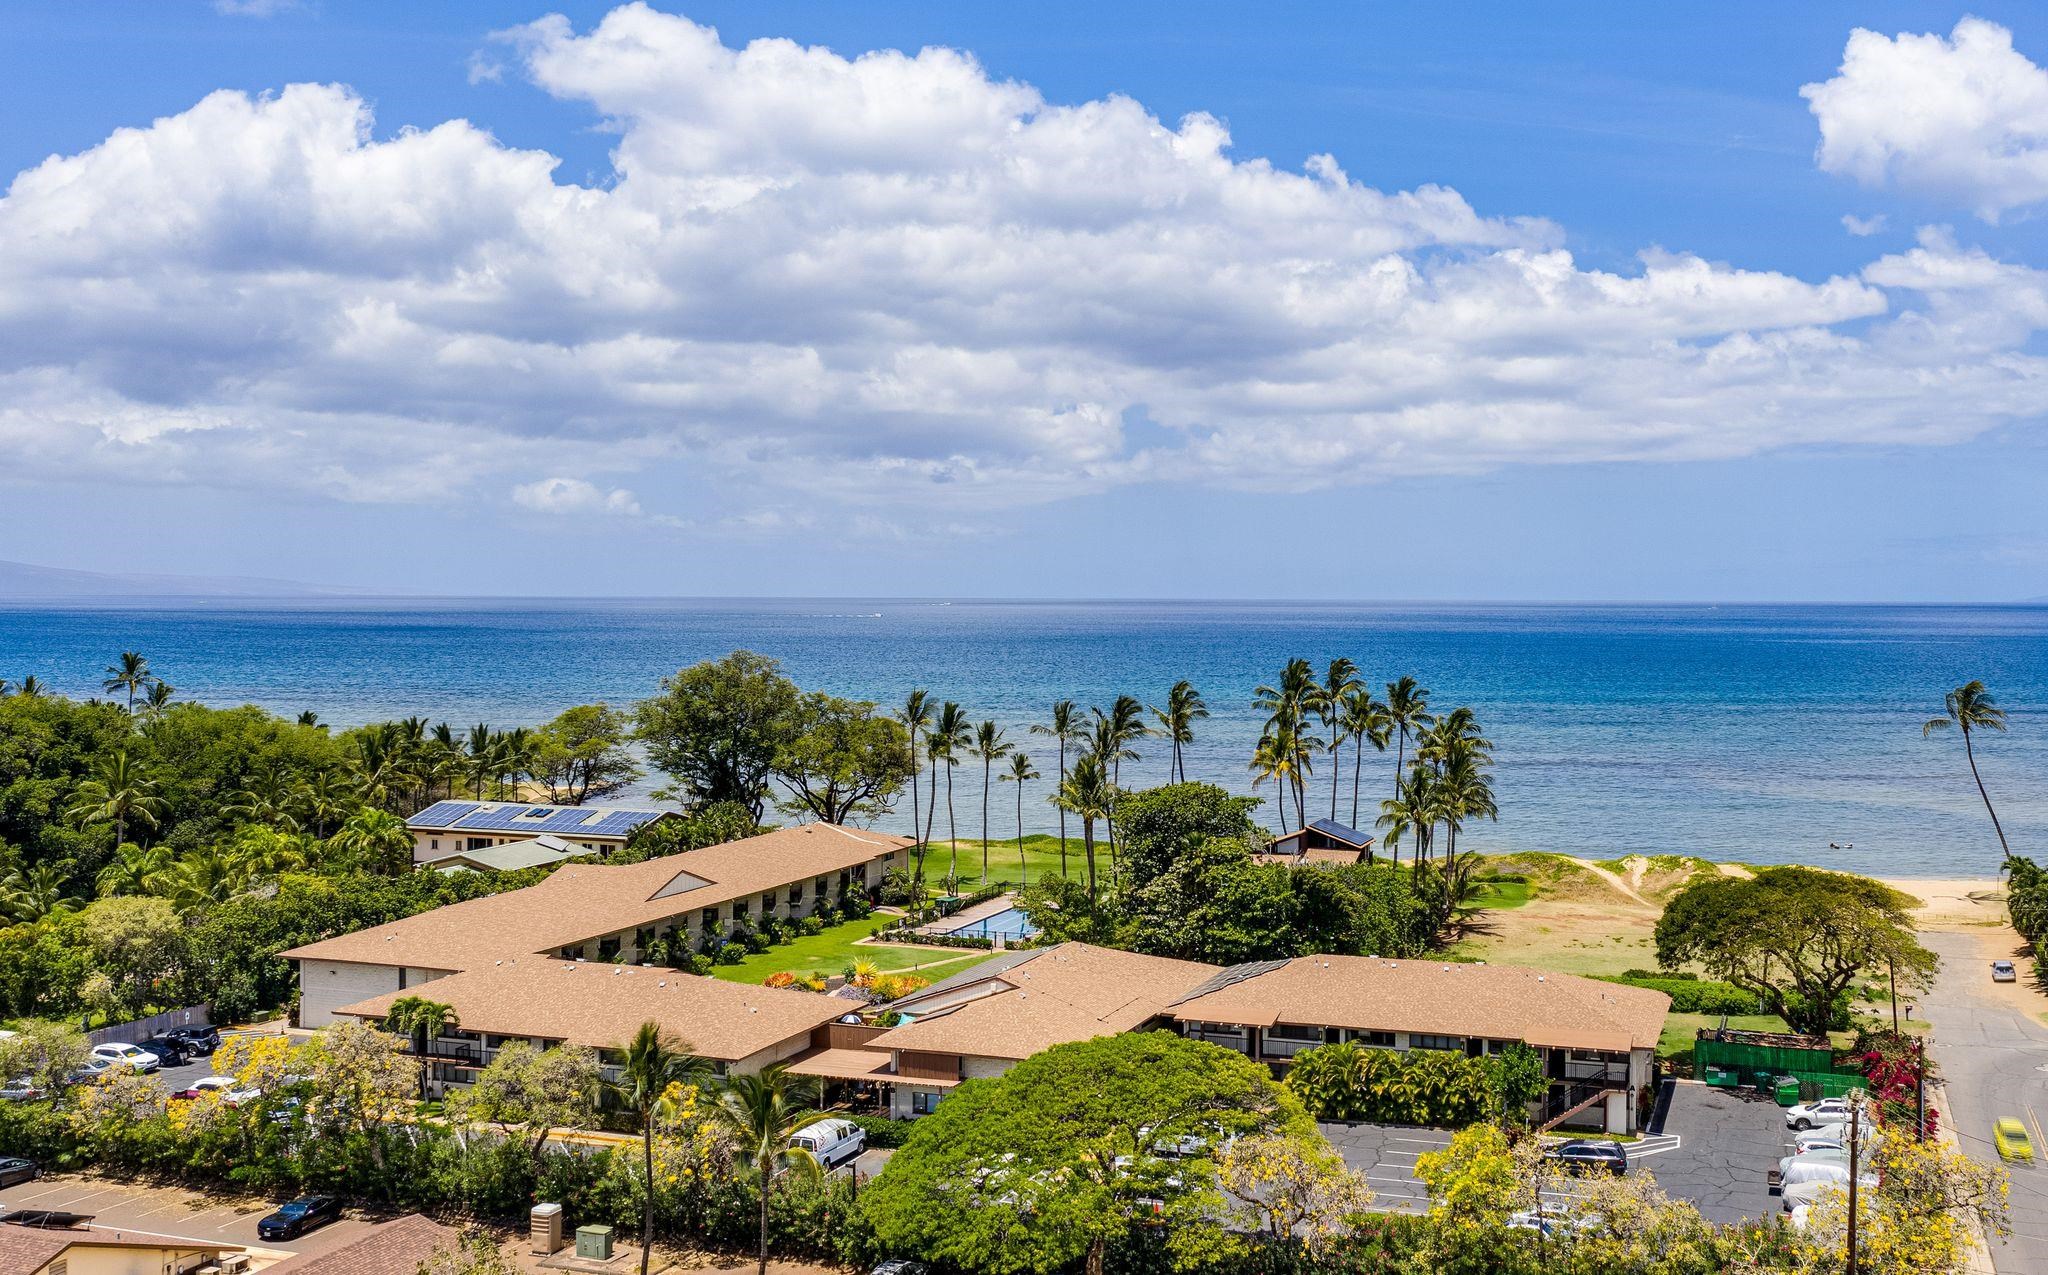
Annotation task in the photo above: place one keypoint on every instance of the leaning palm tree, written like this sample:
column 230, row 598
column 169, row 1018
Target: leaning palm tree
column 988, row 745
column 423, row 1020
column 950, row 735
column 761, row 1113
column 1020, row 773
column 131, row 674
column 1407, row 710
column 1064, row 727
column 652, row 1066
column 1338, row 682
column 119, row 794
column 1184, row 707
column 916, row 715
column 134, row 870
column 1088, row 795
column 1971, row 708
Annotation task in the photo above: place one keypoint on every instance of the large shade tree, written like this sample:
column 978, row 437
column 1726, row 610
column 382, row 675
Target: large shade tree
column 1797, row 937
column 1054, row 1163
column 717, row 727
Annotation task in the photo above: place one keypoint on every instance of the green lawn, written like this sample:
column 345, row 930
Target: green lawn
column 1497, row 894
column 833, row 950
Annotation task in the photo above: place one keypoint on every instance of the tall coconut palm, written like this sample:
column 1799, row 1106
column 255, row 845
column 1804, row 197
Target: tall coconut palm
column 761, row 1113
column 1111, row 738
column 1393, row 824
column 1088, row 795
column 916, row 716
column 988, row 745
column 269, row 798
column 1407, row 707
column 131, row 674
column 207, row 877
column 1065, row 727
column 651, row 1067
column 1971, row 708
column 1184, row 707
column 135, row 870
column 1364, row 721
column 1020, row 773
column 1280, row 757
column 119, row 793
column 951, row 735
column 480, row 759
column 320, row 801
column 1340, row 679
column 30, row 687
column 424, row 1020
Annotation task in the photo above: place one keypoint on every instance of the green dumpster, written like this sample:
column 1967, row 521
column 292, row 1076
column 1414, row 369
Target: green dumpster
column 594, row 1242
column 1787, row 1090
column 1721, row 1077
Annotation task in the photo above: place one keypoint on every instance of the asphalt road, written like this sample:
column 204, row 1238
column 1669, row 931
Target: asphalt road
column 1993, row 1056
column 171, row 1211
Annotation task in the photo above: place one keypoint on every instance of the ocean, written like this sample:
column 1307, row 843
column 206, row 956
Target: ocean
column 1766, row 734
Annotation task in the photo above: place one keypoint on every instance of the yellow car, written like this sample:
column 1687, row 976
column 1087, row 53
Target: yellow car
column 2010, row 1136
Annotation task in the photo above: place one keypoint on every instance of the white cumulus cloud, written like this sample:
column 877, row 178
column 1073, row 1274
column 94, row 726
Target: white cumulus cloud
column 574, row 496
column 1964, row 117
column 858, row 285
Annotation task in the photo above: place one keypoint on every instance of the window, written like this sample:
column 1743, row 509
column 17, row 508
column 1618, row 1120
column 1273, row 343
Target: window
column 1375, row 1040
column 818, row 888
column 710, row 917
column 434, row 843
column 607, row 949
column 1285, row 1040
column 1453, row 1043
column 923, row 1102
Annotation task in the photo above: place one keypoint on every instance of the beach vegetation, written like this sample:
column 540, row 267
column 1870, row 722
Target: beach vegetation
column 1798, row 938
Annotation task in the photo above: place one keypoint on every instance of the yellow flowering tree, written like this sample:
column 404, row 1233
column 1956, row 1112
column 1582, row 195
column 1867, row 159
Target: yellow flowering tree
column 1922, row 1219
column 1293, row 1187
column 361, row 1077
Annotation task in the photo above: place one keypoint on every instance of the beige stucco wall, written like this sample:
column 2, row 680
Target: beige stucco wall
column 325, row 986
column 114, row 1261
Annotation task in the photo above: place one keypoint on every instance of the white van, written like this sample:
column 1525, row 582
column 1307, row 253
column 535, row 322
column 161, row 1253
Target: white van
column 831, row 1142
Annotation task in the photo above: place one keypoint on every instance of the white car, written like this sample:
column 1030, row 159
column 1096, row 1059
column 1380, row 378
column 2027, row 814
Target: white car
column 2004, row 972
column 1811, row 1115
column 1834, row 1137
column 115, row 1055
column 222, row 1085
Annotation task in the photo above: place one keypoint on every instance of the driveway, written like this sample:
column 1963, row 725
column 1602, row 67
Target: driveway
column 170, row 1211
column 1718, row 1145
column 1990, row 1051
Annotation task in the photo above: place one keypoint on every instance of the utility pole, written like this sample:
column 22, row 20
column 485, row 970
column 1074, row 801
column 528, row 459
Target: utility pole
column 1920, row 1089
column 1855, row 1138
column 1892, row 973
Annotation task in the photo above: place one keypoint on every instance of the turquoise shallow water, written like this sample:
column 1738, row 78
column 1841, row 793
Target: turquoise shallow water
column 1761, row 733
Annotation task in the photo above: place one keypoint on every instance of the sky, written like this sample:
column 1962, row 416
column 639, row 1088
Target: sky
column 1344, row 301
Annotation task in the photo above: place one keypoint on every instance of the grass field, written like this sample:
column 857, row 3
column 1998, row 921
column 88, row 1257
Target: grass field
column 833, row 950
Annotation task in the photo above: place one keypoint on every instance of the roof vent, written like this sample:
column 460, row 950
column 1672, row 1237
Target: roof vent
column 662, row 983
column 1539, row 978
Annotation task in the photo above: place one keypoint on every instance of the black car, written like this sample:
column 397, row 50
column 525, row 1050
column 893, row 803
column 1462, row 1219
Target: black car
column 196, row 1041
column 14, row 1172
column 307, row 1213
column 1584, row 1155
column 168, row 1053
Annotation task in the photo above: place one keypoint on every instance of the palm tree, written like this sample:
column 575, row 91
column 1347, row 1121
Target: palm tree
column 988, row 745
column 1020, row 773
column 158, row 699
column 1407, row 710
column 134, row 870
column 1275, row 758
column 207, row 877
column 30, row 687
column 1286, row 701
column 916, row 715
column 1184, row 707
column 120, row 794
column 1971, row 707
column 950, row 735
column 131, row 674
column 1088, row 795
column 1395, row 821
column 1338, row 682
column 267, row 800
column 762, row 1112
column 377, row 841
column 1065, row 726
column 31, row 896
column 424, row 1020
column 651, row 1068
column 320, row 801
column 480, row 760
column 307, row 717
column 1364, row 720
column 1114, row 734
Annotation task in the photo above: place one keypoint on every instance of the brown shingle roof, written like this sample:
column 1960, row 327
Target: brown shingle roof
column 584, row 901
column 24, row 1248
column 601, row 1006
column 1075, row 991
column 1498, row 1002
column 396, row 1247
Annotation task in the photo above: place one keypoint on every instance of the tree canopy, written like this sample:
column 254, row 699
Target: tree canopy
column 1055, row 1161
column 1797, row 937
column 717, row 727
column 843, row 759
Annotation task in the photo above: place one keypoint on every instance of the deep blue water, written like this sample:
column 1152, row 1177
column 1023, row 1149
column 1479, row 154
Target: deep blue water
column 1748, row 732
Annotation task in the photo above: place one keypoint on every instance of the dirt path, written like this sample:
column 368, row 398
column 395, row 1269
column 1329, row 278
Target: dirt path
column 1621, row 886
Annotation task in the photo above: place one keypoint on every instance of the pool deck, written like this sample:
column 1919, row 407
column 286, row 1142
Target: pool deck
column 968, row 916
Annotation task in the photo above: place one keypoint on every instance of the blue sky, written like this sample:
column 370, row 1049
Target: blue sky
column 940, row 326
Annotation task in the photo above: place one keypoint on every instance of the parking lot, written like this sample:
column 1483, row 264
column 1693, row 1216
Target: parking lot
column 170, row 1211
column 1713, row 1149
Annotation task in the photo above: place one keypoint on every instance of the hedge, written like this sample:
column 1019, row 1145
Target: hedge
column 1690, row 994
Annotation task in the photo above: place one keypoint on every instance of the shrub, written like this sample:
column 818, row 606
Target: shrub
column 811, row 925
column 1352, row 1082
column 699, row 964
column 732, row 953
column 1693, row 995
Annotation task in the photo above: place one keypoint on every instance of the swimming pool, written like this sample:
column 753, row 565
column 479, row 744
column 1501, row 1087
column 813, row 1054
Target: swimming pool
column 1010, row 923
